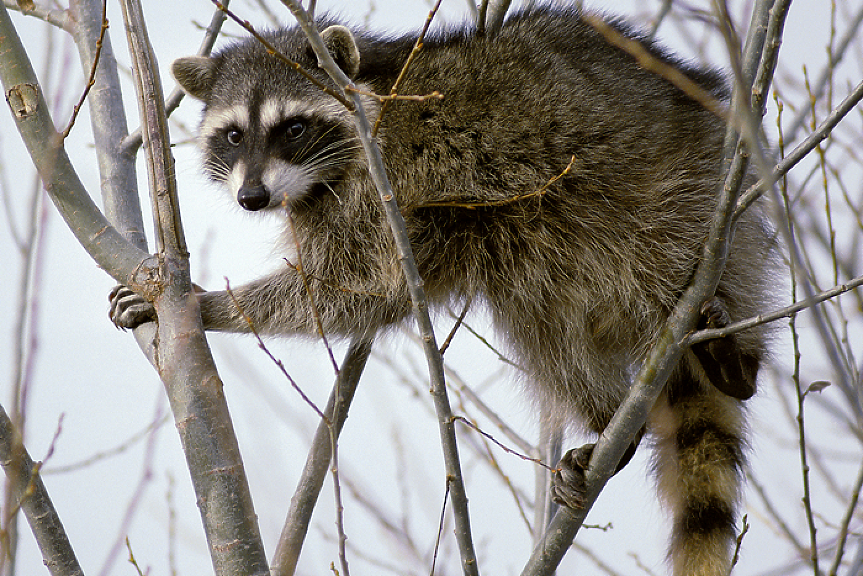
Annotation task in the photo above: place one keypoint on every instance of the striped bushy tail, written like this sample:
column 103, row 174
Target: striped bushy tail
column 699, row 461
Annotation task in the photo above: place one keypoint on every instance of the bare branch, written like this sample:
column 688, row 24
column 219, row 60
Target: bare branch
column 58, row 18
column 184, row 361
column 666, row 352
column 135, row 139
column 785, row 312
column 33, row 499
column 101, row 240
column 312, row 479
column 119, row 183
column 491, row 16
column 377, row 170
column 802, row 149
column 458, row 322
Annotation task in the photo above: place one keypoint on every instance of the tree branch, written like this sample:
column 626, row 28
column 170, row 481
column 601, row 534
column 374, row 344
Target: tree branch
column 309, row 487
column 32, row 497
column 183, row 358
column 58, row 18
column 377, row 170
column 710, row 334
column 632, row 414
column 816, row 137
column 491, row 16
column 133, row 141
column 101, row 240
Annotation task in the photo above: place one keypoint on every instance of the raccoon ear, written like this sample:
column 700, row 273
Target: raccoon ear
column 195, row 75
column 342, row 45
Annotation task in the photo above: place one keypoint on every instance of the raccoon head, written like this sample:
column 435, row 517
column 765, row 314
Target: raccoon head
column 267, row 133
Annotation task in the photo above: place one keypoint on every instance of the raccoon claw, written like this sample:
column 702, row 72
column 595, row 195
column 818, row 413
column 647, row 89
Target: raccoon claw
column 568, row 485
column 714, row 314
column 730, row 370
column 128, row 309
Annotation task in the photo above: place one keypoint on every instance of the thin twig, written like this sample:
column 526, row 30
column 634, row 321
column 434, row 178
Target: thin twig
column 111, row 452
column 91, row 80
column 457, row 383
column 456, row 326
column 501, row 445
column 271, row 49
column 500, row 355
column 846, row 522
column 281, row 365
column 804, row 468
column 414, row 51
column 377, row 171
column 132, row 560
column 739, row 541
column 653, row 64
column 786, row 312
column 664, row 11
column 384, row 98
column 440, row 528
column 315, row 312
column 471, row 205
column 337, row 490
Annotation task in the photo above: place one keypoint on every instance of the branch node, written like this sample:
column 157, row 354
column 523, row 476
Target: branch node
column 23, row 99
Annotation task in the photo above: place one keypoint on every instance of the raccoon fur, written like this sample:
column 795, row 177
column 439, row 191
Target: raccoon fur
column 579, row 269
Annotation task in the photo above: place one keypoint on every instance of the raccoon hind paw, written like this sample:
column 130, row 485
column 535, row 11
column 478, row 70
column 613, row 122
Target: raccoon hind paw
column 731, row 370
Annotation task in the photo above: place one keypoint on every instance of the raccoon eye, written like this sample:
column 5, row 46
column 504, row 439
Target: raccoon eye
column 296, row 129
column 292, row 129
column 234, row 137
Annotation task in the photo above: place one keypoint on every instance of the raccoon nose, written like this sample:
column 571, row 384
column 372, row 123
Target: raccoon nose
column 253, row 198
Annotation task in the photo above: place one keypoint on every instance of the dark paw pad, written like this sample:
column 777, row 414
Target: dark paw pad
column 129, row 310
column 729, row 369
column 568, row 486
column 714, row 314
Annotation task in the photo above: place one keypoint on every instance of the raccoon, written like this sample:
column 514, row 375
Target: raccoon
column 556, row 181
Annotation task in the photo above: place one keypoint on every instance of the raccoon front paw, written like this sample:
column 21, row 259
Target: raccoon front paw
column 568, row 485
column 129, row 310
column 730, row 370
